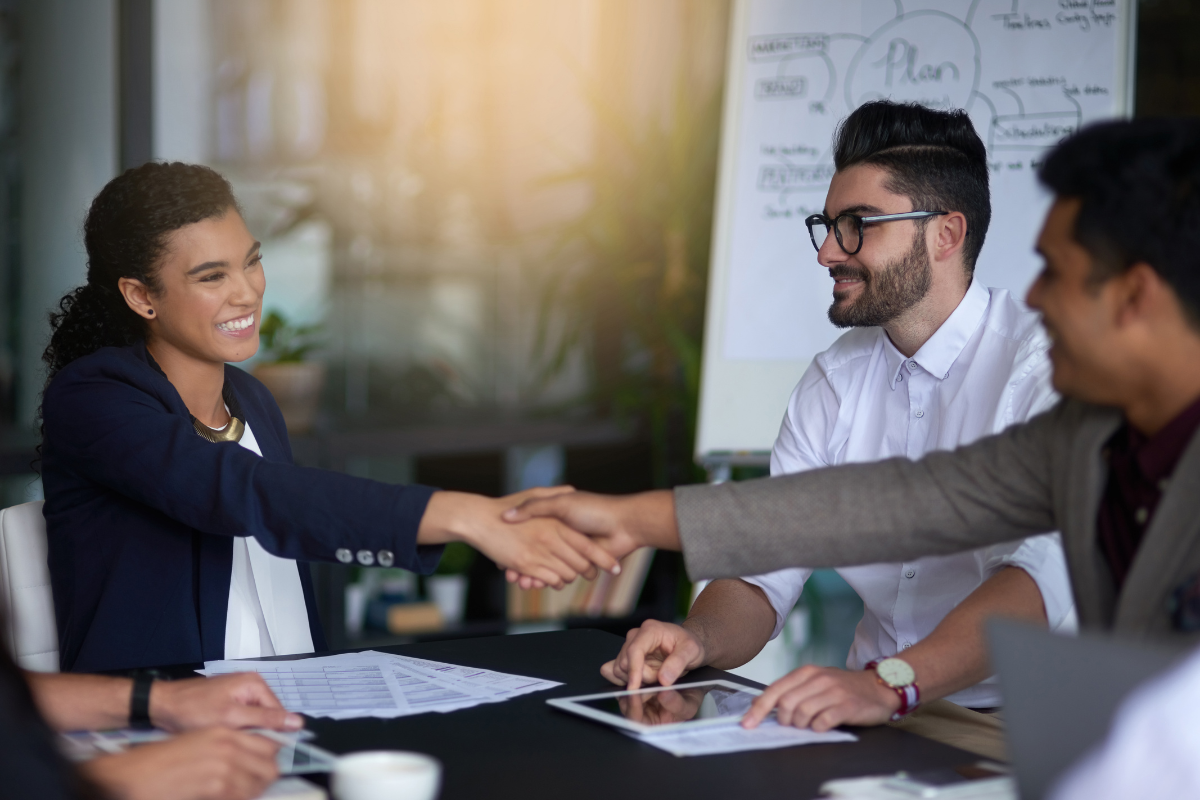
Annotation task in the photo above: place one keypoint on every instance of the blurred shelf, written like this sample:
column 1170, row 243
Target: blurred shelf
column 332, row 449
column 471, row 630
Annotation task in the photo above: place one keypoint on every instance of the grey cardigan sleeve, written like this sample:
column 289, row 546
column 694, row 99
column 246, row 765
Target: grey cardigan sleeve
column 994, row 490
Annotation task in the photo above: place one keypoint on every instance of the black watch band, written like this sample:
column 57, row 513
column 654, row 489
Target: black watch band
column 139, row 702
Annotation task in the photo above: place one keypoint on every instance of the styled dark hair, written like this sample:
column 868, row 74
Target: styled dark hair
column 1139, row 186
column 935, row 158
column 125, row 234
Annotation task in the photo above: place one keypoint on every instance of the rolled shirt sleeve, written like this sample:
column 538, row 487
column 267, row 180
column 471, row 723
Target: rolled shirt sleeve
column 1043, row 559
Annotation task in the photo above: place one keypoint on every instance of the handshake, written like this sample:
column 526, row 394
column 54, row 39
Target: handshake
column 550, row 536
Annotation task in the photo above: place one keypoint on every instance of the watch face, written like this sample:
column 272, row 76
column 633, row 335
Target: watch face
column 895, row 672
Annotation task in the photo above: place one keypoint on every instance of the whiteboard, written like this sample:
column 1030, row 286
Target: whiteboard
column 1029, row 72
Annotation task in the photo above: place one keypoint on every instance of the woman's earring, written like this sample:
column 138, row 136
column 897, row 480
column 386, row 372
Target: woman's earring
column 150, row 311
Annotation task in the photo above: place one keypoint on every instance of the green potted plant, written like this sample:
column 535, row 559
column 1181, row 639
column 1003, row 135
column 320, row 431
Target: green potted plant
column 295, row 382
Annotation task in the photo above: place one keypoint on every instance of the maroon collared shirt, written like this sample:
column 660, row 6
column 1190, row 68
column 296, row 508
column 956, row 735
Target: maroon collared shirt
column 1139, row 470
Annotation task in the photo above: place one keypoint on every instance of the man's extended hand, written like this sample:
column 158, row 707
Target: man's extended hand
column 596, row 515
column 657, row 652
column 235, row 701
column 543, row 550
column 619, row 525
column 212, row 764
column 823, row 698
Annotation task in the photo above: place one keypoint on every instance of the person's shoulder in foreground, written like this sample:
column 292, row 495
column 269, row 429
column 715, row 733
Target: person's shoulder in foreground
column 1151, row 749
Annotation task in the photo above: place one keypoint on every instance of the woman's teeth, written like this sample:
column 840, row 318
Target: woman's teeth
column 236, row 324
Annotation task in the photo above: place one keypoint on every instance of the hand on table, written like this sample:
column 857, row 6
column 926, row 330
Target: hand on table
column 234, row 701
column 657, row 652
column 212, row 764
column 823, row 698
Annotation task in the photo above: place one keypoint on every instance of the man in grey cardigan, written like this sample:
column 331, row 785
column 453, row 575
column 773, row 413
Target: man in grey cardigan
column 1115, row 466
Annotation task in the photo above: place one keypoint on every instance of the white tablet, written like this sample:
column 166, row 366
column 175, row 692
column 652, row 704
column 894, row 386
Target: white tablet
column 665, row 708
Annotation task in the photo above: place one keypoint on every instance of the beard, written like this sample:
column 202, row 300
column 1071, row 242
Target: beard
column 888, row 292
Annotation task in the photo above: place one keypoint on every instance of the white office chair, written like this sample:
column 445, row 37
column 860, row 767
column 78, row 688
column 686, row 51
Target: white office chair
column 30, row 632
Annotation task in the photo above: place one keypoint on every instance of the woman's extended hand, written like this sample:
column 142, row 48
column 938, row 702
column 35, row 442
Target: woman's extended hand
column 618, row 524
column 543, row 549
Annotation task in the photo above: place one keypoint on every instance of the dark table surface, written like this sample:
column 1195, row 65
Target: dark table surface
column 525, row 749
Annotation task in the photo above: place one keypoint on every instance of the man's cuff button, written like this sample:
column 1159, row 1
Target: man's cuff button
column 366, row 558
column 343, row 555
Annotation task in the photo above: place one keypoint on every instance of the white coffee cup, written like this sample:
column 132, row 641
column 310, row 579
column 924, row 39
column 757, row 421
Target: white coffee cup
column 386, row 775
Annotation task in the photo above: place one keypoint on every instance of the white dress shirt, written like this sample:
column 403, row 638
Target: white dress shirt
column 267, row 613
column 861, row 400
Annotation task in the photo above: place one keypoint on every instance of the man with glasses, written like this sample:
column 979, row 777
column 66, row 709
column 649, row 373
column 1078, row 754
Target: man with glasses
column 934, row 360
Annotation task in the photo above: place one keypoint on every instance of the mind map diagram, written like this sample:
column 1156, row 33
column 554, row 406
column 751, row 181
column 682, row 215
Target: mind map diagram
column 1020, row 68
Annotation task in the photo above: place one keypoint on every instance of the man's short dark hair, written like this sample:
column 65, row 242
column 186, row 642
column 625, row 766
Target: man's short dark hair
column 935, row 158
column 1139, row 186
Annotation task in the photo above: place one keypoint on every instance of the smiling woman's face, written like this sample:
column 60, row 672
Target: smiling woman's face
column 211, row 283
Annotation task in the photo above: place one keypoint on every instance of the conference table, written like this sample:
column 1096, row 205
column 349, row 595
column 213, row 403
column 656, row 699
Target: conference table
column 524, row 748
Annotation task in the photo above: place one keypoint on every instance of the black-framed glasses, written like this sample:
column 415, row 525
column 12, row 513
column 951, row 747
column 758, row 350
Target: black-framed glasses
column 848, row 228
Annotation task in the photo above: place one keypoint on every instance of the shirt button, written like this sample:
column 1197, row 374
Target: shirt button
column 386, row 558
column 920, row 413
column 900, row 377
column 1141, row 515
column 366, row 558
column 912, row 365
column 905, row 646
column 343, row 555
column 911, row 573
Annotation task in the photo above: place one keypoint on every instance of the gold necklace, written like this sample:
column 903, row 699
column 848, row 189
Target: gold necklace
column 230, row 433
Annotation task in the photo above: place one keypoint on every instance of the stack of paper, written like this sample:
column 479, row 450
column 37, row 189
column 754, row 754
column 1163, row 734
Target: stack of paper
column 733, row 738
column 374, row 684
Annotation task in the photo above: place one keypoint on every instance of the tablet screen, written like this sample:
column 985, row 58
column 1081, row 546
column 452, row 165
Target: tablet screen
column 671, row 705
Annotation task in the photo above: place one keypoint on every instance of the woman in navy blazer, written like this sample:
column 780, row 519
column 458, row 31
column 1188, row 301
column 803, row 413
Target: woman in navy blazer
column 146, row 485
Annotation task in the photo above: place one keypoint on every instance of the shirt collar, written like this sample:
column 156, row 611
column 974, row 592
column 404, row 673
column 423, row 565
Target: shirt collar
column 942, row 349
column 1158, row 455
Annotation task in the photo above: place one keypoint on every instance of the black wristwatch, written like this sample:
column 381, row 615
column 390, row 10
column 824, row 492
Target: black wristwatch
column 139, row 701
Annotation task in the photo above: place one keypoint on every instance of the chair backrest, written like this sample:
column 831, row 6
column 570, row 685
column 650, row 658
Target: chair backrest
column 30, row 632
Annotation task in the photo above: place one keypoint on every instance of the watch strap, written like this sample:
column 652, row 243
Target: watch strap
column 139, row 702
column 910, row 694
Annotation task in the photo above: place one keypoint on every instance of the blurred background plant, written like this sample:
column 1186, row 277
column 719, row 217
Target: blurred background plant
column 281, row 342
column 632, row 294
column 457, row 559
column 283, row 367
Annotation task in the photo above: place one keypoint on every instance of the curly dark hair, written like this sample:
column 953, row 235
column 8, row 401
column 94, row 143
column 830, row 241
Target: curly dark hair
column 125, row 234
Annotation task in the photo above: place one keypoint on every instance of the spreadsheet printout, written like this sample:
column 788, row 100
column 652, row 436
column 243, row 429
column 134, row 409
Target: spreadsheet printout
column 374, row 684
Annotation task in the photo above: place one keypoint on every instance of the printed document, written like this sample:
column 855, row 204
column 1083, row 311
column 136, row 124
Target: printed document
column 709, row 741
column 374, row 684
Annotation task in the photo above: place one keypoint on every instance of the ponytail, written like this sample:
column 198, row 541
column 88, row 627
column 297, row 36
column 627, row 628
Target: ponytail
column 87, row 319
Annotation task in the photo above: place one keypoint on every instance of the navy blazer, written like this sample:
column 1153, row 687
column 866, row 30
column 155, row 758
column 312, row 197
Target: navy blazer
column 141, row 513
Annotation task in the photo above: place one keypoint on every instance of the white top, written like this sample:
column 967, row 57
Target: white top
column 1152, row 746
column 267, row 613
column 861, row 400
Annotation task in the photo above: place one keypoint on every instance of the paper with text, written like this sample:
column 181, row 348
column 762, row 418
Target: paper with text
column 374, row 684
